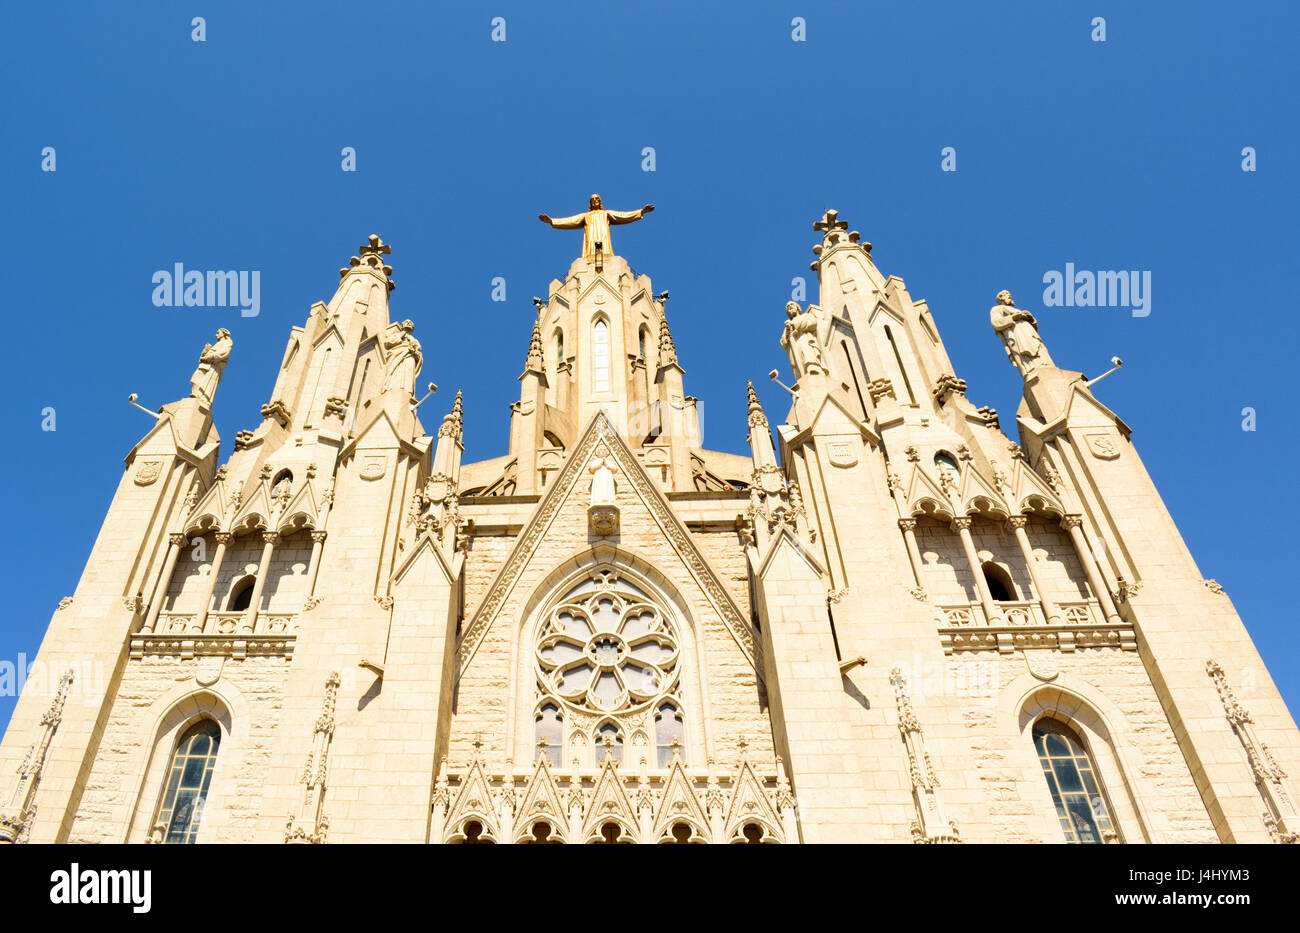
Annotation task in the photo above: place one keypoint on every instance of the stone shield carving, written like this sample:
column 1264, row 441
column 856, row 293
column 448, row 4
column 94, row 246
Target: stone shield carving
column 374, row 468
column 843, row 455
column 147, row 472
column 1102, row 445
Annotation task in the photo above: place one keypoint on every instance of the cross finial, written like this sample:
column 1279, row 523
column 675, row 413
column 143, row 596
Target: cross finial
column 477, row 743
column 830, row 221
column 370, row 256
column 742, row 744
column 376, row 247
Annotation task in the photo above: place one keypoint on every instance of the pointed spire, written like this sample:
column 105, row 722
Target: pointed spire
column 454, row 420
column 667, row 350
column 535, row 362
column 756, row 416
column 371, row 257
column 760, row 435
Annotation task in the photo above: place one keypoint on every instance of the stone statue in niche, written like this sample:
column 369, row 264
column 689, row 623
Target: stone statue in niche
column 801, row 340
column 203, row 384
column 1019, row 333
column 404, row 358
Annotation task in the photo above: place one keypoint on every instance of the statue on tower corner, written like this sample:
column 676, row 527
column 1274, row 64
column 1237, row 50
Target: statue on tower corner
column 800, row 338
column 595, row 224
column 1019, row 333
column 203, row 384
column 404, row 358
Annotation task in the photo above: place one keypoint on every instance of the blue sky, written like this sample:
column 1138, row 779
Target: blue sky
column 225, row 154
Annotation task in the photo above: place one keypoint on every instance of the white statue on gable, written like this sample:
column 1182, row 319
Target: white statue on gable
column 203, row 384
column 602, row 511
column 602, row 481
column 800, row 338
column 404, row 358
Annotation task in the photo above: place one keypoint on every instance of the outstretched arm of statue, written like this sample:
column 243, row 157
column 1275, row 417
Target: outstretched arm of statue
column 626, row 217
column 564, row 223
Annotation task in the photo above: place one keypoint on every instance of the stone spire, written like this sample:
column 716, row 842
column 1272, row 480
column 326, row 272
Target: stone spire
column 760, row 436
column 535, row 362
column 667, row 349
column 453, row 421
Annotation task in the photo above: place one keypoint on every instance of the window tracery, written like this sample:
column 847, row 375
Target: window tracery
column 608, row 670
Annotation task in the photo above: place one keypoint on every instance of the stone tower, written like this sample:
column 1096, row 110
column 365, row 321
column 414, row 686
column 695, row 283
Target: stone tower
column 892, row 624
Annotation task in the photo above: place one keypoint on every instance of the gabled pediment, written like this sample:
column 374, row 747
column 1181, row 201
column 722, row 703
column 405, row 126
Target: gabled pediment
column 977, row 494
column 1032, row 493
column 568, row 496
column 925, row 496
column 609, row 801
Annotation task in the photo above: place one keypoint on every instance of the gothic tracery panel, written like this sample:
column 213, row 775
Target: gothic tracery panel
column 608, row 669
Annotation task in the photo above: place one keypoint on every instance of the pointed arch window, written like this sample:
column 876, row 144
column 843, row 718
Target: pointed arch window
column 1072, row 780
column 609, row 741
column 187, row 782
column 945, row 462
column 669, row 737
column 600, row 356
column 549, row 730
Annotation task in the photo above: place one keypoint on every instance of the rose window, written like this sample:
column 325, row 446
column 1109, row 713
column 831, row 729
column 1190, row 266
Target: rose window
column 607, row 648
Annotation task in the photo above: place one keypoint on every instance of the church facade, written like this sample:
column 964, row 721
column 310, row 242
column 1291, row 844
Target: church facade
column 888, row 623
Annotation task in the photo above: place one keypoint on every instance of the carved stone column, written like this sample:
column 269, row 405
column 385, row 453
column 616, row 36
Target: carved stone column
column 645, row 805
column 163, row 583
column 507, row 800
column 991, row 611
column 576, row 805
column 1050, row 610
column 1074, row 525
column 715, row 805
column 270, row 539
column 201, row 620
column 313, row 565
column 908, row 526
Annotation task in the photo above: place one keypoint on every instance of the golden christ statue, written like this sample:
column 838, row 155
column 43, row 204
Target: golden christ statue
column 595, row 224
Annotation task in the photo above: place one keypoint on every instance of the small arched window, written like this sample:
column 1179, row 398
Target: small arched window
column 187, row 782
column 609, row 739
column 549, row 732
column 1072, row 780
column 600, row 357
column 668, row 734
column 241, row 594
column 1001, row 587
column 641, row 341
column 559, row 348
column 945, row 462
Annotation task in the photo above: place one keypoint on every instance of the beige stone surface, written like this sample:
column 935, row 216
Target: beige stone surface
column 853, row 631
